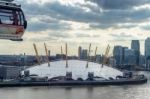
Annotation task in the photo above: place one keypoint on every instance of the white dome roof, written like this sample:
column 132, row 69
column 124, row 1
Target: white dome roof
column 77, row 67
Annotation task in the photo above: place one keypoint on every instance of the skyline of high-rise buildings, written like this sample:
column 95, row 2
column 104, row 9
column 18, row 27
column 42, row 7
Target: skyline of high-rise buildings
column 125, row 56
column 132, row 56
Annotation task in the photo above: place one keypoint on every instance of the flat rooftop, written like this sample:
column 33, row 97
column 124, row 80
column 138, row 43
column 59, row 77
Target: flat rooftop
column 77, row 67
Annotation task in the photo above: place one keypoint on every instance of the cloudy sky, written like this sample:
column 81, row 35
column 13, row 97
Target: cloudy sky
column 80, row 22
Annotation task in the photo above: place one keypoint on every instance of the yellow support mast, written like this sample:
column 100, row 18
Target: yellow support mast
column 47, row 54
column 37, row 55
column 106, row 55
column 88, row 56
column 66, row 56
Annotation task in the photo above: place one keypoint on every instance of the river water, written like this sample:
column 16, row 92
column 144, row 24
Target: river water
column 101, row 92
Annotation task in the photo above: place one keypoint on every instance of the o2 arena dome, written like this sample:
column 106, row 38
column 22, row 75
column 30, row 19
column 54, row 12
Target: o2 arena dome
column 76, row 67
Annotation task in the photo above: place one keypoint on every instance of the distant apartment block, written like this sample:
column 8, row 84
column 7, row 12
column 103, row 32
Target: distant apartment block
column 82, row 53
column 9, row 72
column 135, row 45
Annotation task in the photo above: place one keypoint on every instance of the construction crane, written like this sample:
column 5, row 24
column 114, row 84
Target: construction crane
column 105, row 59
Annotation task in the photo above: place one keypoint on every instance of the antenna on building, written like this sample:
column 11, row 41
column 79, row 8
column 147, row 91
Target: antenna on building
column 66, row 56
column 37, row 55
column 47, row 54
column 95, row 53
column 88, row 56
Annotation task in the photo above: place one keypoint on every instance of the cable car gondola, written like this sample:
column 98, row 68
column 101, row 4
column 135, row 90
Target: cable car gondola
column 12, row 21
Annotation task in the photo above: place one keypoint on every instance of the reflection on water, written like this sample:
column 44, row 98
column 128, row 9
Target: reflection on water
column 101, row 92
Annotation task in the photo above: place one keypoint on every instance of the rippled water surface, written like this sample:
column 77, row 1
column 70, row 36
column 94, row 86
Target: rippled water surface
column 101, row 92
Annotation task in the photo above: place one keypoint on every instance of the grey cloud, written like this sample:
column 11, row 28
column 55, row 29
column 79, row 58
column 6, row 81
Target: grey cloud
column 60, row 35
column 114, row 17
column 126, row 26
column 60, row 12
column 100, row 26
column 82, row 35
column 42, row 39
column 52, row 36
column 125, row 16
column 45, row 24
column 121, row 35
column 95, row 18
column 119, row 4
column 96, row 35
column 105, row 19
column 37, row 26
column 145, row 27
column 119, row 40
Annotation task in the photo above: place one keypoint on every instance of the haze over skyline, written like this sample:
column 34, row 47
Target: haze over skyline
column 80, row 22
